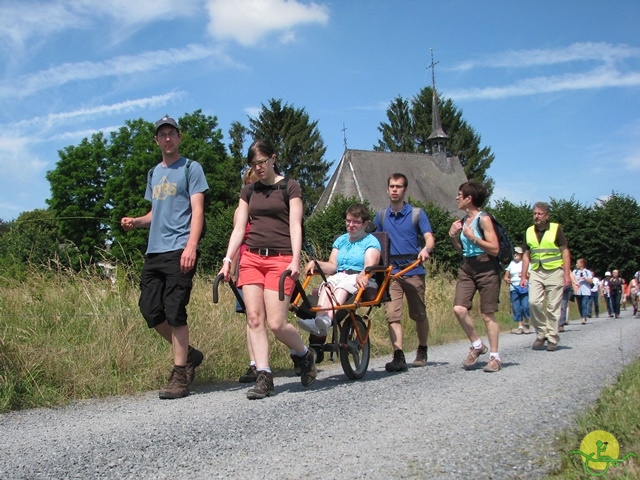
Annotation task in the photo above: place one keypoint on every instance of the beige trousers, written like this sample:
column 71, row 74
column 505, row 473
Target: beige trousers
column 545, row 301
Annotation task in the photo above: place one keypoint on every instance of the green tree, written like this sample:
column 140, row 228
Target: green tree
column 298, row 144
column 402, row 135
column 610, row 236
column 77, row 195
column 397, row 135
column 515, row 218
column 32, row 240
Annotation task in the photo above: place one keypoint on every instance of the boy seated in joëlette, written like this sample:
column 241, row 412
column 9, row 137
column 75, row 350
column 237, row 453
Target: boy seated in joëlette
column 351, row 254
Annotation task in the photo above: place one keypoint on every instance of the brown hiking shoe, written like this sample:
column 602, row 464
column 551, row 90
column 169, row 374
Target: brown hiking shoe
column 263, row 387
column 552, row 347
column 421, row 357
column 178, row 385
column 538, row 343
column 472, row 357
column 308, row 369
column 250, row 376
column 493, row 365
column 194, row 359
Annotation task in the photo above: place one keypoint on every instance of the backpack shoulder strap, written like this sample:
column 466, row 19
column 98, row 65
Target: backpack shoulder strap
column 382, row 213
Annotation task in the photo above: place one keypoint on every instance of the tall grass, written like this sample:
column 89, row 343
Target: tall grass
column 66, row 335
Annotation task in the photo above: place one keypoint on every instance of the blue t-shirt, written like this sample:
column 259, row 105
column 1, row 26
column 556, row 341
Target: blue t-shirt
column 170, row 198
column 403, row 235
column 351, row 254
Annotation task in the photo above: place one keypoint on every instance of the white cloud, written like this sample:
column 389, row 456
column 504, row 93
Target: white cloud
column 248, row 21
column 576, row 52
column 18, row 163
column 26, row 20
column 124, row 65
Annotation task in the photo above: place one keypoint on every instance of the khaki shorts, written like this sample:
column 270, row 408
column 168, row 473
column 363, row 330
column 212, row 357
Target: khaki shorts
column 480, row 274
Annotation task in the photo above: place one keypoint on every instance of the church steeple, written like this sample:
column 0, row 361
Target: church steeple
column 438, row 138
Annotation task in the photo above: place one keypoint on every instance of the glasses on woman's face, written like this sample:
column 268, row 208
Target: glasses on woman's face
column 259, row 162
column 353, row 222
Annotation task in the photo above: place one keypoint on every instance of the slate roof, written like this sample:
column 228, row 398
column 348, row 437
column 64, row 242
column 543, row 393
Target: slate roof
column 361, row 173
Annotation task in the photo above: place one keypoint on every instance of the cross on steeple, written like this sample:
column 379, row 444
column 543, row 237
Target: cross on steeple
column 432, row 66
column 344, row 135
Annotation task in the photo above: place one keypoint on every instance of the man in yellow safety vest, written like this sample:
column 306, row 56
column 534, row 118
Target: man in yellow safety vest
column 547, row 252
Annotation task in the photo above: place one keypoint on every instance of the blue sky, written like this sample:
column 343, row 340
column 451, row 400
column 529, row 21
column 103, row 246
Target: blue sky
column 552, row 87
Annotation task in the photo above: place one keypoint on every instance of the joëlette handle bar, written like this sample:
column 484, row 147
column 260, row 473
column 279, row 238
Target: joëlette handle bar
column 232, row 284
column 297, row 288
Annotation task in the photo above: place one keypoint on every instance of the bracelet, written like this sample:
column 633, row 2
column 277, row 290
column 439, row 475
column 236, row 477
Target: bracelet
column 227, row 259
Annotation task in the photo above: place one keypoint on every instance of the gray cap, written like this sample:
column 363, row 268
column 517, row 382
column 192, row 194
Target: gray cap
column 518, row 250
column 167, row 121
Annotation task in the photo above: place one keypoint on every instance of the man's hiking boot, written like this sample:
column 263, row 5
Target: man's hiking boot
column 421, row 356
column 178, row 385
column 398, row 364
column 194, row 359
column 538, row 343
column 472, row 357
column 308, row 369
column 263, row 387
column 250, row 376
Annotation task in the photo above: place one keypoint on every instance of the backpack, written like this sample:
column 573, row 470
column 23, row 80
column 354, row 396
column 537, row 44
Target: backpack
column 505, row 252
column 415, row 219
column 281, row 185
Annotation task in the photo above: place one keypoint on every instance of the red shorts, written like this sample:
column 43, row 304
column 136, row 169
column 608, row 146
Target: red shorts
column 265, row 271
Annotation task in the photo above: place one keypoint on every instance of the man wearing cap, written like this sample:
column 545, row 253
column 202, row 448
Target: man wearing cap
column 175, row 188
column 547, row 253
column 518, row 295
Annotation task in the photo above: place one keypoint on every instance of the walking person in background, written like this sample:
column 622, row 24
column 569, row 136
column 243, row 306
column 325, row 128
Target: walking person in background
column 175, row 188
column 567, row 296
column 479, row 272
column 547, row 253
column 273, row 246
column 606, row 293
column 584, row 279
column 518, row 295
column 397, row 221
column 594, row 303
column 616, row 284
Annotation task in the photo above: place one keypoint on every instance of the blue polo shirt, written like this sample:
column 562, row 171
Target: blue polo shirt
column 403, row 235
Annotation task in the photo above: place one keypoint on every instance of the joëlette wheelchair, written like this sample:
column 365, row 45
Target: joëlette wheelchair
column 349, row 335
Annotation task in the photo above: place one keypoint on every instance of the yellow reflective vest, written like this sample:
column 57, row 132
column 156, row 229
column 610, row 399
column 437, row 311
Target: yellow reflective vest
column 546, row 253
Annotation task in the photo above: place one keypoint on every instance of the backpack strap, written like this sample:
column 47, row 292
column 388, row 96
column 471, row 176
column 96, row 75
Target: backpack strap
column 382, row 213
column 276, row 186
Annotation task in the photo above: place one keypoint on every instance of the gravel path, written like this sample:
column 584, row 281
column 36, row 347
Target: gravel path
column 437, row 422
